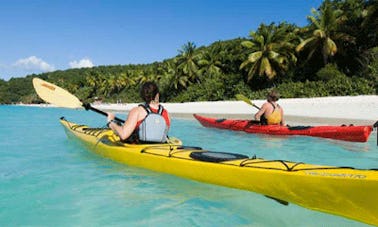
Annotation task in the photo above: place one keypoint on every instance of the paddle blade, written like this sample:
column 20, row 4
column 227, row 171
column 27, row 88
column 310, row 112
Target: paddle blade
column 241, row 97
column 55, row 95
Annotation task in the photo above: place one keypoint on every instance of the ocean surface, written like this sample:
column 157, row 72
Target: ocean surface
column 47, row 179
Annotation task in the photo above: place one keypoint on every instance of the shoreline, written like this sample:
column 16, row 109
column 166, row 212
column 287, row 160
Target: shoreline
column 356, row 110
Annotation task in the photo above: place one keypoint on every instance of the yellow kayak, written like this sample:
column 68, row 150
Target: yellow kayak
column 343, row 191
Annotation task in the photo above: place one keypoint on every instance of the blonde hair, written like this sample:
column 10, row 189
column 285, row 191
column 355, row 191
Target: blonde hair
column 273, row 95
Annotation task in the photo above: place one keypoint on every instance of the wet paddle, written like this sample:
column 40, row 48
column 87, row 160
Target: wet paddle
column 241, row 97
column 57, row 96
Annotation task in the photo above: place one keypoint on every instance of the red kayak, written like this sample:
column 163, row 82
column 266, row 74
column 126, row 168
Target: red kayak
column 347, row 133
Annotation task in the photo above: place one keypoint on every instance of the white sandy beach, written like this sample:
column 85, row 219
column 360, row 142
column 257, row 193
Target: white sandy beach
column 325, row 110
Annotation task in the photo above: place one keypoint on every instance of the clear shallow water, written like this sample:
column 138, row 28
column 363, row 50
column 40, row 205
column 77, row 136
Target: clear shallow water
column 47, row 179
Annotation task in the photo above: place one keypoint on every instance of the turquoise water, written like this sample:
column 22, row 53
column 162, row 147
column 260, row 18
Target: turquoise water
column 47, row 179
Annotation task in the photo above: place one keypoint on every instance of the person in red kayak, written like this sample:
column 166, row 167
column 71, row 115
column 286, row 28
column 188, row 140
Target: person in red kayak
column 271, row 113
column 148, row 122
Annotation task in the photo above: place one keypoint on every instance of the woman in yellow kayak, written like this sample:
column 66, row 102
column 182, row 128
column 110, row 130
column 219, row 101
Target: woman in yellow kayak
column 148, row 122
column 271, row 113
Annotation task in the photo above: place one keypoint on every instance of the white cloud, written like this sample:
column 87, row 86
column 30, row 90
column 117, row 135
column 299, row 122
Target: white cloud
column 33, row 63
column 83, row 63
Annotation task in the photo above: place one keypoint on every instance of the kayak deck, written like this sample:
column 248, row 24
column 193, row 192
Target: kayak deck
column 343, row 191
column 346, row 133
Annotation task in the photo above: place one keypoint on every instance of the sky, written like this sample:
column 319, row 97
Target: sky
column 39, row 36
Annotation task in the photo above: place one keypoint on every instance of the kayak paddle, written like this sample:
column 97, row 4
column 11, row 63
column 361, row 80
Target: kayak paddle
column 241, row 97
column 57, row 96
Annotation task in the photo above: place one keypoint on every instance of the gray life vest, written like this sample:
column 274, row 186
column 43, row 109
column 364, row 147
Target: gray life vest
column 153, row 128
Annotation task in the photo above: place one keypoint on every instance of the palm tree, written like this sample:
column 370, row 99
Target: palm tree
column 325, row 32
column 124, row 80
column 370, row 21
column 147, row 75
column 211, row 62
column 270, row 51
column 187, row 61
column 94, row 81
column 175, row 78
column 107, row 85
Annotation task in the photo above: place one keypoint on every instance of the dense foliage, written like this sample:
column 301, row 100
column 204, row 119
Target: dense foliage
column 335, row 54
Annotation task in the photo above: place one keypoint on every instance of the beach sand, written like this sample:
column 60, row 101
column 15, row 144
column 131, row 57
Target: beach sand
column 357, row 110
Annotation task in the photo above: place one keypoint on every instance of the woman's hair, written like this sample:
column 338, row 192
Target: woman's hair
column 273, row 95
column 148, row 91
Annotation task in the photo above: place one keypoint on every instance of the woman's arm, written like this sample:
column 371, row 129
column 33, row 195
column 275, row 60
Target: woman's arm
column 128, row 127
column 260, row 112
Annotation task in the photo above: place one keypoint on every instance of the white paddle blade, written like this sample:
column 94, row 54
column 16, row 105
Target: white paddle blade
column 55, row 95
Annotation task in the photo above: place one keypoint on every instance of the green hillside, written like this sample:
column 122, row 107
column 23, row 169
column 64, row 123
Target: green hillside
column 334, row 55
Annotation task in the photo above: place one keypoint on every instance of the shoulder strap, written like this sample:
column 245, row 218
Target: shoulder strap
column 273, row 105
column 146, row 107
column 160, row 110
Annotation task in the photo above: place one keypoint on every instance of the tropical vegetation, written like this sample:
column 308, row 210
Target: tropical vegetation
column 334, row 54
